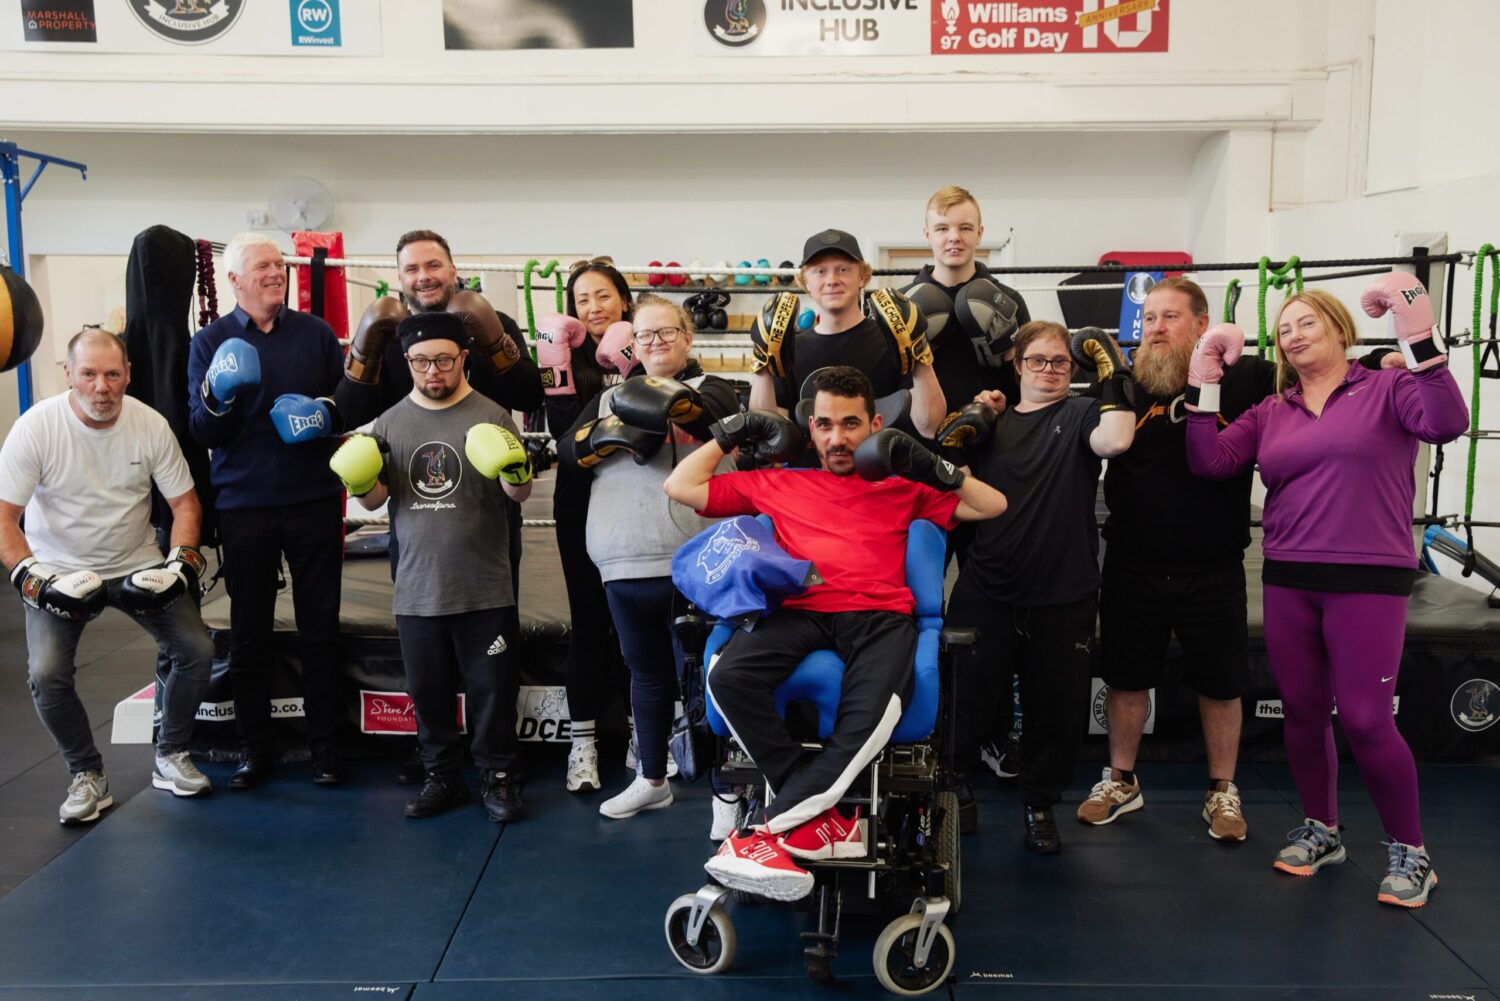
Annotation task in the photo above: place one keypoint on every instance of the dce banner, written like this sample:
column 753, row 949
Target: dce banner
column 931, row 27
column 1021, row 27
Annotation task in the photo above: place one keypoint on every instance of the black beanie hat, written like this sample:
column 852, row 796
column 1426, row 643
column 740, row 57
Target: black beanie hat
column 432, row 326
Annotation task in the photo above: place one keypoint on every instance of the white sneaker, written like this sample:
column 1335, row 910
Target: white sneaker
column 177, row 774
column 639, row 795
column 727, row 814
column 87, row 796
column 583, row 767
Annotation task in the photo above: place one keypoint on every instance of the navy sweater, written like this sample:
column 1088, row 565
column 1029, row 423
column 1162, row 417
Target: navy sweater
column 251, row 466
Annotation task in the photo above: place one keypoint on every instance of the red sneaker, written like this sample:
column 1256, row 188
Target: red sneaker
column 828, row 835
column 756, row 864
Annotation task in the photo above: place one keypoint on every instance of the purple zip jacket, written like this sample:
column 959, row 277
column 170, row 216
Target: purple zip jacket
column 1339, row 488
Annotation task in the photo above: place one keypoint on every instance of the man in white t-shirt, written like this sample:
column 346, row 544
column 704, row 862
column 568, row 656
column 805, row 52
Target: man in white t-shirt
column 80, row 467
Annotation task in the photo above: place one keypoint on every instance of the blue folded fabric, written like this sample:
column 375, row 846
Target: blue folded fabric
column 735, row 570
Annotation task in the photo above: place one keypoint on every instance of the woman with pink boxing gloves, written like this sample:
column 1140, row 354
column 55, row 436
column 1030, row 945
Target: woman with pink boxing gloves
column 628, row 439
column 1336, row 448
column 579, row 354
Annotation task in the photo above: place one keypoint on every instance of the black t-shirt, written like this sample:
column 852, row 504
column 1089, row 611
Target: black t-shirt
column 954, row 361
column 1044, row 550
column 570, row 491
column 1162, row 518
column 862, row 346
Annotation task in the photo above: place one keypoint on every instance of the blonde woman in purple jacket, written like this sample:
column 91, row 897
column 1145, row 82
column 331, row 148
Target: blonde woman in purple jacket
column 1336, row 449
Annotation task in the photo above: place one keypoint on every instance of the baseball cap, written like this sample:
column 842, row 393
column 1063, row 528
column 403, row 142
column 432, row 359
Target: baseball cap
column 831, row 239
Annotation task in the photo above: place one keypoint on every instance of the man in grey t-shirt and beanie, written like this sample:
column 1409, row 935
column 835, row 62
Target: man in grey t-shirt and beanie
column 446, row 457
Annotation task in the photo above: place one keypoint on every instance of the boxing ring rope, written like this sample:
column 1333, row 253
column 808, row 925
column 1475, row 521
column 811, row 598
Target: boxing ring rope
column 1270, row 274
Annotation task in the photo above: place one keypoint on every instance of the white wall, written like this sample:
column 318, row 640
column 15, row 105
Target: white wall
column 1227, row 64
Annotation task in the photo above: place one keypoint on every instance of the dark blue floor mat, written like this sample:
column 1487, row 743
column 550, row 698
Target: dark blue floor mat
column 222, row 992
column 289, row 883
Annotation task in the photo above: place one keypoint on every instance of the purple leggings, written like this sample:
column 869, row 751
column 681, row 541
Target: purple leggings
column 1324, row 647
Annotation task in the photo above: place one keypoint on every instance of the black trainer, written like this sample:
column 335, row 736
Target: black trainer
column 327, row 767
column 501, row 797
column 1041, row 830
column 439, row 794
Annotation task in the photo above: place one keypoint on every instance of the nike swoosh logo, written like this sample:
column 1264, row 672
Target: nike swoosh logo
column 1384, row 680
column 1359, row 390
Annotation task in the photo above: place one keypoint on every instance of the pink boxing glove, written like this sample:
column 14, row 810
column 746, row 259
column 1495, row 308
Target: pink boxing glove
column 1220, row 345
column 556, row 337
column 1407, row 301
column 616, row 352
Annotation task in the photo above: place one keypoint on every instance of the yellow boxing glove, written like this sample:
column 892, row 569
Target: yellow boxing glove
column 496, row 452
column 360, row 463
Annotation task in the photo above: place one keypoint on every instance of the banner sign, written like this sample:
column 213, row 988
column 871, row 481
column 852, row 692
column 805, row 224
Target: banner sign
column 222, row 27
column 393, row 712
column 59, row 20
column 1026, row 27
column 1133, row 303
column 930, row 27
column 521, row 24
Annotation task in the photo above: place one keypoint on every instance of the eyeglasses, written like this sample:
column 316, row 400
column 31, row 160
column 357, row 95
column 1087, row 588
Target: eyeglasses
column 589, row 262
column 1036, row 363
column 667, row 335
column 444, row 363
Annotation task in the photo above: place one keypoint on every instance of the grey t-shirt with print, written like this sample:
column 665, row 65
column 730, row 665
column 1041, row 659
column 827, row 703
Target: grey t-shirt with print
column 454, row 552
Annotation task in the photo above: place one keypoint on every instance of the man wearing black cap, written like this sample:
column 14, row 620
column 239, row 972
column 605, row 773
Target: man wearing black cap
column 447, row 457
column 835, row 274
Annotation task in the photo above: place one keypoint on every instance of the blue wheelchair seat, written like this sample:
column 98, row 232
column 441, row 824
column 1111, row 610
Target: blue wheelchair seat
column 818, row 679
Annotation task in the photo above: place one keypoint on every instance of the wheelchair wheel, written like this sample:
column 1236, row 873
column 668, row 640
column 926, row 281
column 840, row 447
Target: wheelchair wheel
column 948, row 849
column 895, row 948
column 716, row 943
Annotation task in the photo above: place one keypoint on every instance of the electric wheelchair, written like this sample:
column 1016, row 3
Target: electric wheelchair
column 911, row 866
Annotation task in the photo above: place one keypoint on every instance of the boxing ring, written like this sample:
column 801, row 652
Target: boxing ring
column 1447, row 699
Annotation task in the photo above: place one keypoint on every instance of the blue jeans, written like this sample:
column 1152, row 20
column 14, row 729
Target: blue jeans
column 51, row 644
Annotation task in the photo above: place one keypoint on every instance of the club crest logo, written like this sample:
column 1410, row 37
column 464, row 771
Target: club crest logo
column 435, row 470
column 734, row 22
column 188, row 22
column 728, row 543
column 1475, row 705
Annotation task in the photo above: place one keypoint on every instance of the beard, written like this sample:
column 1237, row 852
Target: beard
column 99, row 411
column 448, row 292
column 437, row 393
column 1162, row 370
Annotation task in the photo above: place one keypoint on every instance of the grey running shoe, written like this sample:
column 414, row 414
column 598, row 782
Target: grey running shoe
column 87, row 796
column 1409, row 875
column 1311, row 846
column 729, row 813
column 177, row 774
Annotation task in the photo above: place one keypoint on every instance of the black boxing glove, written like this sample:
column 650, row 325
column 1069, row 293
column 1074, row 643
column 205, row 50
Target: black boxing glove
column 988, row 316
column 598, row 440
column 772, row 333
column 965, row 430
column 1097, row 353
column 75, row 597
column 890, row 452
column 903, row 323
column 655, row 403
column 766, row 436
column 152, row 591
column 933, row 303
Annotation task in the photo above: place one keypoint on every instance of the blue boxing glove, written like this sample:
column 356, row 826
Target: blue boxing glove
column 301, row 418
column 235, row 366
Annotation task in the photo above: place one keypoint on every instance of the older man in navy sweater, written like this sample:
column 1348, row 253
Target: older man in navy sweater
column 261, row 382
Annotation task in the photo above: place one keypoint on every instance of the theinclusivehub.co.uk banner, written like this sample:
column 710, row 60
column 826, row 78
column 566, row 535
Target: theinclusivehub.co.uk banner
column 932, row 27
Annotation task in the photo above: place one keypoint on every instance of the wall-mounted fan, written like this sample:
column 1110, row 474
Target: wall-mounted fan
column 300, row 203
